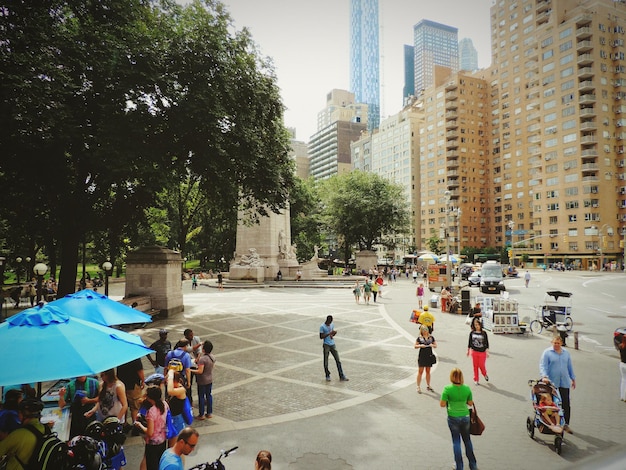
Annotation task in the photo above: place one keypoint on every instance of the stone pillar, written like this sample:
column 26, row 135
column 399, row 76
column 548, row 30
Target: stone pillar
column 365, row 260
column 155, row 271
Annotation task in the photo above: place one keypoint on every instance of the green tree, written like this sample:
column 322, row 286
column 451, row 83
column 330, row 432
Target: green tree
column 103, row 103
column 363, row 210
column 306, row 218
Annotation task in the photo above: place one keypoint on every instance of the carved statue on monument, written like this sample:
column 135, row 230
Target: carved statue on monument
column 282, row 244
column 316, row 255
column 251, row 259
column 292, row 252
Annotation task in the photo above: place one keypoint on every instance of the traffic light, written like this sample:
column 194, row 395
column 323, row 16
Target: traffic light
column 510, row 253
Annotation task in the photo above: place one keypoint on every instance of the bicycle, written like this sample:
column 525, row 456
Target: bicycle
column 217, row 464
column 548, row 321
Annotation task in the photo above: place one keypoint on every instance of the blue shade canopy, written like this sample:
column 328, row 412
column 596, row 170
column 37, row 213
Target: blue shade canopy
column 453, row 259
column 97, row 308
column 44, row 344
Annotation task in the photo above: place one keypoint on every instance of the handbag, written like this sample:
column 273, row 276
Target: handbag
column 476, row 424
column 187, row 412
column 433, row 359
column 468, row 319
column 171, row 430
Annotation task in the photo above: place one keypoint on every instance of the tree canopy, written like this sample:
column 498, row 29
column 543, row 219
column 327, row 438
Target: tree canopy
column 363, row 210
column 104, row 103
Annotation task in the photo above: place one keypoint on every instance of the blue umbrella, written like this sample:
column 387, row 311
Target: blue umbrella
column 94, row 307
column 43, row 344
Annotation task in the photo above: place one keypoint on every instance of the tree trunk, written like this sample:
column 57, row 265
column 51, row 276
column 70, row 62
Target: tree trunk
column 69, row 262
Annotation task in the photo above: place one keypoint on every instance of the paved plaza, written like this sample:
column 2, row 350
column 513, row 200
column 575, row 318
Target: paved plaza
column 270, row 391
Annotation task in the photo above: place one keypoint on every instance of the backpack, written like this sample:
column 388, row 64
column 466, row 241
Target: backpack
column 50, row 453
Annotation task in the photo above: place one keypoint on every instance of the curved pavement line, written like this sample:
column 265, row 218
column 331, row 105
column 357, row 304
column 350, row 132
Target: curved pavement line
column 219, row 424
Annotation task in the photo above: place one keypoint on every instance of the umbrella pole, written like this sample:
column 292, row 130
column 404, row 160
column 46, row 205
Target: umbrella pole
column 38, row 389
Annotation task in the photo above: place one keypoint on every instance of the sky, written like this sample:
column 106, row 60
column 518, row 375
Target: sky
column 309, row 43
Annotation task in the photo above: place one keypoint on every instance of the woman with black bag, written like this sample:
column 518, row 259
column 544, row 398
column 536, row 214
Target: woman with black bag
column 426, row 357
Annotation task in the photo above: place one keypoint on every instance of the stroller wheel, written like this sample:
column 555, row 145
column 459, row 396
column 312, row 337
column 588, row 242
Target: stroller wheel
column 530, row 427
column 558, row 443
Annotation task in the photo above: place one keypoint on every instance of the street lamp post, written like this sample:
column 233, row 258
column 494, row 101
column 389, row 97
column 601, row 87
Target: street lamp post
column 458, row 218
column 511, row 224
column 447, row 233
column 40, row 269
column 107, row 267
column 18, row 260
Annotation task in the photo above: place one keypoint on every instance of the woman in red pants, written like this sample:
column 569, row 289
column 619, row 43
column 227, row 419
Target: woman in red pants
column 478, row 344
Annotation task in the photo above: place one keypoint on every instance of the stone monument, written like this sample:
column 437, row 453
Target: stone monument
column 155, row 271
column 264, row 248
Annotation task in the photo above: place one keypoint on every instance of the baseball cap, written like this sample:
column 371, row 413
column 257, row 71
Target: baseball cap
column 162, row 331
column 425, row 307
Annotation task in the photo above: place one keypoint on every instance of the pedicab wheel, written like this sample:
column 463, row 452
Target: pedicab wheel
column 530, row 427
column 558, row 443
column 569, row 323
column 536, row 326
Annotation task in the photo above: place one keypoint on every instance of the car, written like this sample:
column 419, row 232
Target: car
column 474, row 279
column 466, row 271
column 618, row 335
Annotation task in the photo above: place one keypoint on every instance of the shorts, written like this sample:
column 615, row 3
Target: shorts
column 134, row 397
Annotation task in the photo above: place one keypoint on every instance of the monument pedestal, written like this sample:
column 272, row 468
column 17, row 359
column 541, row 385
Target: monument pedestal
column 247, row 273
column 155, row 271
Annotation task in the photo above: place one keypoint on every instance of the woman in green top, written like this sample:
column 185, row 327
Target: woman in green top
column 456, row 397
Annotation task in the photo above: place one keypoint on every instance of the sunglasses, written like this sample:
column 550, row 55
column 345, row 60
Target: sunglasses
column 190, row 445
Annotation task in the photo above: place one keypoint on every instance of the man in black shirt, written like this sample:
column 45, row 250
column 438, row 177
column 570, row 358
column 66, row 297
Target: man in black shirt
column 162, row 346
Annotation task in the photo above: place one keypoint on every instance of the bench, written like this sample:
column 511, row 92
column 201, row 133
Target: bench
column 143, row 303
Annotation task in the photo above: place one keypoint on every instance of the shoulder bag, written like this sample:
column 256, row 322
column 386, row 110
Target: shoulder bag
column 476, row 424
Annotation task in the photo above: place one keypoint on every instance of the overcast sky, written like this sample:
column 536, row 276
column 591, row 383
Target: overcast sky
column 309, row 42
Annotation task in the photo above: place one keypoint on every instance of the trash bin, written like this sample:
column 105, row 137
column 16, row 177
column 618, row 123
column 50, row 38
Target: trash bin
column 434, row 301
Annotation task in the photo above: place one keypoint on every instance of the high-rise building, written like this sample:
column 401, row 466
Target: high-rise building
column 391, row 151
column 468, row 55
column 434, row 45
column 408, row 89
column 559, row 141
column 340, row 123
column 364, row 57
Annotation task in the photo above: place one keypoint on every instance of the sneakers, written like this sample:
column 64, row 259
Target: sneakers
column 487, row 378
column 476, row 382
column 328, row 378
column 344, row 379
column 200, row 417
column 429, row 388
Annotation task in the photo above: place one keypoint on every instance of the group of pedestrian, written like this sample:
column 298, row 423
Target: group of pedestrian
column 370, row 287
column 555, row 366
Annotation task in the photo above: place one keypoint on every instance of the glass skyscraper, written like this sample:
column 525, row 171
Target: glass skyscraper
column 364, row 58
column 435, row 44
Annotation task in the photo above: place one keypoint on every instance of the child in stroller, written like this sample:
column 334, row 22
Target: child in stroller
column 548, row 413
column 548, row 417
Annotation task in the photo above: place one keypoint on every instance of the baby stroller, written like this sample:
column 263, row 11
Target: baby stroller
column 548, row 417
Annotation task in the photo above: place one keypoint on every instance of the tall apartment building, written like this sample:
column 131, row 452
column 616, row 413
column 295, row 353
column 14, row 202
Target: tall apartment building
column 391, row 151
column 436, row 46
column 558, row 141
column 468, row 55
column 454, row 162
column 339, row 124
column 364, row 57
